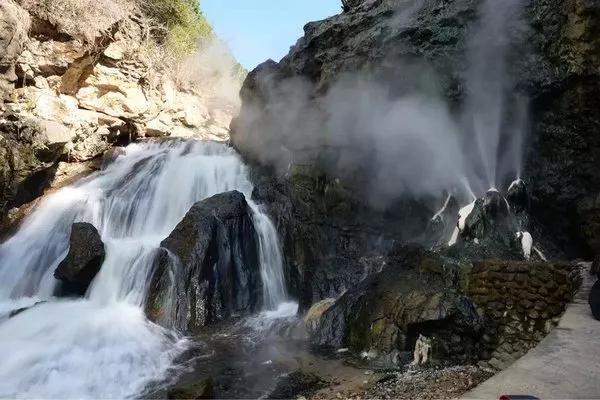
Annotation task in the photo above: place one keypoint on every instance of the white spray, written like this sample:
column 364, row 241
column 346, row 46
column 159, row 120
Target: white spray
column 103, row 346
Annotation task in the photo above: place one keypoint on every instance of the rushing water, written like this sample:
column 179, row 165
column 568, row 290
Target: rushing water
column 103, row 346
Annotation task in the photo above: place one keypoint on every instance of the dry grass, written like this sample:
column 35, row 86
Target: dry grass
column 169, row 37
column 85, row 20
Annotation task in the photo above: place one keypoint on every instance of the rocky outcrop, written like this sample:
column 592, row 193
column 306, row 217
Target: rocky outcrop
column 68, row 97
column 553, row 61
column 416, row 293
column 83, row 262
column 208, row 270
column 490, row 312
column 331, row 238
column 14, row 25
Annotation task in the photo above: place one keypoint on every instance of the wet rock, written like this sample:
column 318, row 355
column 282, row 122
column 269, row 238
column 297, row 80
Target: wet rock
column 517, row 196
column 489, row 215
column 295, row 384
column 18, row 311
column 594, row 300
column 313, row 316
column 416, row 293
column 441, row 226
column 208, row 270
column 595, row 267
column 199, row 390
column 331, row 238
column 83, row 262
column 29, row 153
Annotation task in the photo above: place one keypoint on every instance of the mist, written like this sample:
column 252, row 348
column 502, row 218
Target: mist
column 401, row 141
column 211, row 71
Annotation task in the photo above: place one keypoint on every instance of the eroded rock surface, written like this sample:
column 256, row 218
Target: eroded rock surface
column 416, row 293
column 553, row 57
column 70, row 98
column 208, row 267
column 84, row 260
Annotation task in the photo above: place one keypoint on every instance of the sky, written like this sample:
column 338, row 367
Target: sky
column 256, row 30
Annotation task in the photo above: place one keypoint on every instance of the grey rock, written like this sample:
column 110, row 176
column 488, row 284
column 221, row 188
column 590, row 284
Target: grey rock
column 14, row 25
column 412, row 295
column 84, row 260
column 208, row 268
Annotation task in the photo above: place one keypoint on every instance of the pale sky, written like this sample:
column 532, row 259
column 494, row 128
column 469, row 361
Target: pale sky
column 256, row 30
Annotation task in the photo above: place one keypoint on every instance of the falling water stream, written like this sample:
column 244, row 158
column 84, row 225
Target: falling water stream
column 103, row 346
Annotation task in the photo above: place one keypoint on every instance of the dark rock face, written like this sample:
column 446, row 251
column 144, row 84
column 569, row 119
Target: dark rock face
column 517, row 196
column 565, row 145
column 557, row 68
column 442, row 224
column 27, row 161
column 295, row 384
column 417, row 292
column 594, row 300
column 208, row 269
column 199, row 390
column 490, row 215
column 83, row 262
column 331, row 239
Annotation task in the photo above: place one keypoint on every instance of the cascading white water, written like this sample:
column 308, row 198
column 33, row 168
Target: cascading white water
column 103, row 346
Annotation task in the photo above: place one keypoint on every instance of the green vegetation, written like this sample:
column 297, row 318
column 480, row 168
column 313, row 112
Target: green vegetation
column 187, row 26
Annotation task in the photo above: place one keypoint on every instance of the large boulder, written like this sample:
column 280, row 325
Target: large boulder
column 416, row 293
column 84, row 260
column 208, row 270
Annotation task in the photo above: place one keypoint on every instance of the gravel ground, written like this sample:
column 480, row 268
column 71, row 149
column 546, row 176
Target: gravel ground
column 418, row 384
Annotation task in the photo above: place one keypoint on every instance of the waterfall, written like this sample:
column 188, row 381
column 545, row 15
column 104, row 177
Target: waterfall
column 103, row 346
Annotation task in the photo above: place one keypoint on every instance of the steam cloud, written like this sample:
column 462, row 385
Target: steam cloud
column 407, row 143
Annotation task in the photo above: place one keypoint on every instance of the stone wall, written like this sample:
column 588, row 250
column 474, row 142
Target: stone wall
column 521, row 302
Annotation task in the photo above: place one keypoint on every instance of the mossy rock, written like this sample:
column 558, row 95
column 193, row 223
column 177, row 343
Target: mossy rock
column 203, row 389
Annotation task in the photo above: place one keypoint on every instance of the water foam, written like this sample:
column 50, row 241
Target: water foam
column 103, row 346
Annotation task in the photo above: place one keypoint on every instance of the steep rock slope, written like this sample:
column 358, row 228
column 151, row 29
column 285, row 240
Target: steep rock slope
column 75, row 81
column 419, row 46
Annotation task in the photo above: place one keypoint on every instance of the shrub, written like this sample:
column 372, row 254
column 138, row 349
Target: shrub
column 82, row 19
column 185, row 23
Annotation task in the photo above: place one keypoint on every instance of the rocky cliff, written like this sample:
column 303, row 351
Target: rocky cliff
column 333, row 205
column 75, row 82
